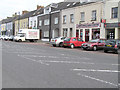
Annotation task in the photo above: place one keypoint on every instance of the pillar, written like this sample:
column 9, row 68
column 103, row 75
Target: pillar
column 116, row 33
column 83, row 34
column 90, row 34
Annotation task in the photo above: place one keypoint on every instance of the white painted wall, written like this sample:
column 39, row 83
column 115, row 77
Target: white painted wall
column 33, row 19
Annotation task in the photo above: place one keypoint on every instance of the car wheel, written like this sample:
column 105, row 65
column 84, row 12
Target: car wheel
column 61, row 44
column 54, row 45
column 116, row 51
column 20, row 40
column 95, row 48
column 105, row 51
column 72, row 46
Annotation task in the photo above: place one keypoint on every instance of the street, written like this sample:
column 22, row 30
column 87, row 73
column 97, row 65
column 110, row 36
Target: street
column 37, row 65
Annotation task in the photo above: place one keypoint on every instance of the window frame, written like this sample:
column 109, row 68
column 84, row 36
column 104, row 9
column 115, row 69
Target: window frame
column 113, row 13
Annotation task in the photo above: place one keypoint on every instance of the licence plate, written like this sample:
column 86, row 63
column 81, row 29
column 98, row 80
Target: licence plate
column 109, row 45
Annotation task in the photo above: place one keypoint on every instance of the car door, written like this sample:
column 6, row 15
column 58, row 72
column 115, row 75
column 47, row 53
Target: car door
column 101, row 44
column 79, row 42
column 74, row 41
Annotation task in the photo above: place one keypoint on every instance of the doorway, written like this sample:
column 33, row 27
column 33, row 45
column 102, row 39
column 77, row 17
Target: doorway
column 86, row 35
column 40, row 34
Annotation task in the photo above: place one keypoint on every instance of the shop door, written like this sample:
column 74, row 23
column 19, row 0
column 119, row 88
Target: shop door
column 40, row 34
column 77, row 33
column 87, row 35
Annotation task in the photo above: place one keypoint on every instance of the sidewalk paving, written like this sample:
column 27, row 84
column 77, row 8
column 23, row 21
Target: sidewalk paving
column 44, row 42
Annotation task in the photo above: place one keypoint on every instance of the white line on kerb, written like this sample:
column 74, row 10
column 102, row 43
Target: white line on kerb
column 93, row 70
column 103, row 81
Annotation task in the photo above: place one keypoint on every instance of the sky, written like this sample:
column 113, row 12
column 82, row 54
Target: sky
column 9, row 7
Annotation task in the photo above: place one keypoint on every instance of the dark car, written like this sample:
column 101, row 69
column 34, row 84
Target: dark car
column 94, row 44
column 112, row 45
column 73, row 42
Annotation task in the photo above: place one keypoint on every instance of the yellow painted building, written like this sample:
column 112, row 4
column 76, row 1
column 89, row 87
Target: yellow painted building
column 22, row 22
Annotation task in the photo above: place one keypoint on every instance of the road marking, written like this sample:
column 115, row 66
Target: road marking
column 103, row 81
column 40, row 61
column 93, row 70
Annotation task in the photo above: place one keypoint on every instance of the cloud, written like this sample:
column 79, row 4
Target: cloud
column 9, row 7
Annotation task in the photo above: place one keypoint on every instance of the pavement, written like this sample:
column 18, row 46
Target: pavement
column 39, row 65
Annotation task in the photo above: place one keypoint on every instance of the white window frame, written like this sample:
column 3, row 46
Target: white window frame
column 46, row 22
column 82, row 16
column 40, row 23
column 71, row 18
column 56, row 20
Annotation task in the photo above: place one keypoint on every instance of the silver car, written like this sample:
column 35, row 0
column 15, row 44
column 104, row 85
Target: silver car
column 57, row 41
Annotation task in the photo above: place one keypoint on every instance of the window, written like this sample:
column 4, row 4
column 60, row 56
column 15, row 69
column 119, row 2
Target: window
column 64, row 19
column 56, row 20
column 46, row 22
column 71, row 18
column 74, row 39
column 79, row 39
column 31, row 23
column 35, row 23
column 115, row 12
column 82, row 16
column 94, row 15
column 46, row 33
column 40, row 23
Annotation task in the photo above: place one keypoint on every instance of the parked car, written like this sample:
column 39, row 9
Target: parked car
column 94, row 44
column 112, row 45
column 6, row 37
column 3, row 37
column 11, row 38
column 57, row 41
column 73, row 42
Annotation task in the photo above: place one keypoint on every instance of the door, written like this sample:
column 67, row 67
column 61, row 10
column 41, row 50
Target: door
column 87, row 35
column 79, row 42
column 40, row 34
column 77, row 33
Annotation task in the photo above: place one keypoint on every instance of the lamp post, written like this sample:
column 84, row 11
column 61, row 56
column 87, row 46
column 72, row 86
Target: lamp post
column 18, row 21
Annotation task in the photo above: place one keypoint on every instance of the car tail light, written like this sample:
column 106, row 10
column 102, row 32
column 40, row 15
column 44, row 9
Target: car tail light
column 115, row 46
column 55, row 40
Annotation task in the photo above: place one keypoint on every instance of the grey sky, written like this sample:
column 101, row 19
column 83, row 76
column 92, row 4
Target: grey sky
column 9, row 7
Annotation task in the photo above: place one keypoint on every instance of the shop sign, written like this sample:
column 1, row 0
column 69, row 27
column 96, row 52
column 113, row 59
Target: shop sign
column 91, row 25
column 108, row 25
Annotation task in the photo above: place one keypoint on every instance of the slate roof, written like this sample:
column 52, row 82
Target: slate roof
column 27, row 15
column 39, row 11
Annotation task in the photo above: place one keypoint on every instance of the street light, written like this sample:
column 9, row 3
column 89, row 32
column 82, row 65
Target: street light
column 18, row 21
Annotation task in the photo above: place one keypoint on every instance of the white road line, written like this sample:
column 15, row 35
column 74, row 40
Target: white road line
column 40, row 61
column 103, row 81
column 93, row 70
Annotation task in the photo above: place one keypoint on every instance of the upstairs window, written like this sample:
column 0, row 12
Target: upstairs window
column 46, row 22
column 115, row 12
column 40, row 23
column 71, row 18
column 64, row 19
column 93, row 15
column 82, row 16
column 56, row 20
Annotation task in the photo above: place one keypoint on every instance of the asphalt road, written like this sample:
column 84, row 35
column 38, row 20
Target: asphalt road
column 37, row 65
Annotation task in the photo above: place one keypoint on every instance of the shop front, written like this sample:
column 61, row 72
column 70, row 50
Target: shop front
column 112, row 30
column 88, row 32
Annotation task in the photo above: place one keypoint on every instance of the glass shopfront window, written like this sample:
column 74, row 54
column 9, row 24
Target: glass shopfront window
column 95, row 33
column 111, row 34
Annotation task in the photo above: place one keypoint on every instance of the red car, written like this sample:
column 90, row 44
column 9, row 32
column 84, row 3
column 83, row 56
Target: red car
column 94, row 44
column 73, row 42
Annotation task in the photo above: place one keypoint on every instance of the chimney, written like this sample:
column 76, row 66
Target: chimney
column 38, row 7
column 24, row 12
column 14, row 14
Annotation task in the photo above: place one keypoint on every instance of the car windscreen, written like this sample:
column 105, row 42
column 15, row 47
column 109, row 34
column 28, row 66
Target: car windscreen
column 94, row 41
column 67, row 39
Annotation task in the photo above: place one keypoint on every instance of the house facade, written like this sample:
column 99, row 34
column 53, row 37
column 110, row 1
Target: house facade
column 112, row 17
column 49, row 23
column 22, row 22
column 88, row 20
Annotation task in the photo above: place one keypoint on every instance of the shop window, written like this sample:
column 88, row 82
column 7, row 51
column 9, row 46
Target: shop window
column 95, row 33
column 70, row 32
column 81, row 34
